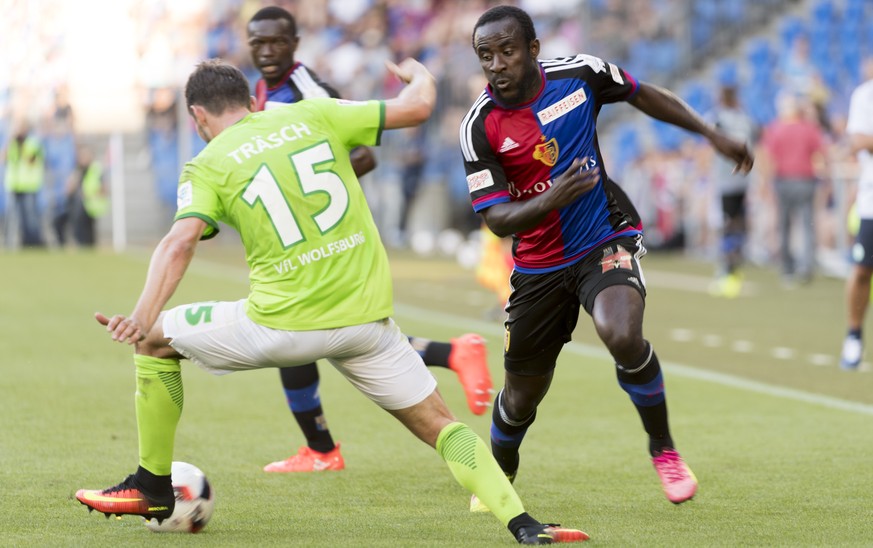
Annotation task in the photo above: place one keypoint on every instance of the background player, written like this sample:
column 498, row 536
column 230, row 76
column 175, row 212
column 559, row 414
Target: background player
column 860, row 130
column 729, row 117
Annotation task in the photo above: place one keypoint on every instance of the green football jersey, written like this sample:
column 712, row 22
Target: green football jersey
column 283, row 179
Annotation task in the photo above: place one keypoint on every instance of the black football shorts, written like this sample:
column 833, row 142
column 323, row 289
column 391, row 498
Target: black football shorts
column 543, row 309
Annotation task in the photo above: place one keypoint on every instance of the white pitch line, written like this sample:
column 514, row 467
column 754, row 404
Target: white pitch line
column 712, row 341
column 487, row 329
column 741, row 346
column 782, row 353
column 681, row 335
column 822, row 360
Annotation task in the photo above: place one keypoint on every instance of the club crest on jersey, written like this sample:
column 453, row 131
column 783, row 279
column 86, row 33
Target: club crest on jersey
column 614, row 258
column 547, row 152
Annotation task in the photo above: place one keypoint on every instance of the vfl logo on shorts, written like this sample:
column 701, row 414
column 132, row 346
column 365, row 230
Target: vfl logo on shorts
column 505, row 338
column 617, row 257
column 200, row 314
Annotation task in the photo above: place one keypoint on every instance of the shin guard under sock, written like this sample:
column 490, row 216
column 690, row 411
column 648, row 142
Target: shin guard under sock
column 644, row 383
column 300, row 384
column 476, row 470
column 159, row 401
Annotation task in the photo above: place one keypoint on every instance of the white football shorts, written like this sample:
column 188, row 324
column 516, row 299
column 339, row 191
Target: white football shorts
column 375, row 357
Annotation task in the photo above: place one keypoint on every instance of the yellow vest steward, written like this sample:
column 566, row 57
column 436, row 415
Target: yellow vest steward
column 25, row 165
column 94, row 200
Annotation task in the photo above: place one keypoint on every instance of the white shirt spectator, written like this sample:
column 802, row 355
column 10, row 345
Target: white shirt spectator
column 861, row 121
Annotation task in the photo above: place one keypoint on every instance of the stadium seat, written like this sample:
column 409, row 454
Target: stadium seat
column 627, row 145
column 851, row 58
column 830, row 74
column 665, row 55
column 790, row 29
column 759, row 52
column 732, row 11
column 821, row 38
column 640, row 59
column 868, row 41
column 701, row 33
column 727, row 73
column 823, row 11
column 698, row 96
column 668, row 137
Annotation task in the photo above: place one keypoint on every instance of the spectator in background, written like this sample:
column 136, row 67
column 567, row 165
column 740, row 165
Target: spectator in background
column 163, row 136
column 794, row 148
column 797, row 74
column 860, row 130
column 25, row 177
column 84, row 200
column 60, row 149
column 730, row 118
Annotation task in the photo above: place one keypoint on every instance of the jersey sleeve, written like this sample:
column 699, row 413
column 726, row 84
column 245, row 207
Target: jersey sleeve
column 609, row 82
column 486, row 180
column 196, row 198
column 319, row 83
column 355, row 123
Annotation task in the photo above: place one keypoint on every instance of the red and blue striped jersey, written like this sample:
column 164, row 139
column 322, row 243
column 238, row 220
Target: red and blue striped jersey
column 297, row 84
column 514, row 152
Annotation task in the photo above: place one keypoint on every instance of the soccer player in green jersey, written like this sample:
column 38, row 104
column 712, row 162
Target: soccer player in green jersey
column 272, row 38
column 320, row 285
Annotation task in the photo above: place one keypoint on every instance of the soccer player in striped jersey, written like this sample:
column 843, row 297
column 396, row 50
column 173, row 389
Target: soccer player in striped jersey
column 272, row 39
column 534, row 171
column 320, row 283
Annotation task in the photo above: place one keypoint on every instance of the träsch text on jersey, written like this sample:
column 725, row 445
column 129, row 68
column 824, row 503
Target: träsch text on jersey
column 259, row 144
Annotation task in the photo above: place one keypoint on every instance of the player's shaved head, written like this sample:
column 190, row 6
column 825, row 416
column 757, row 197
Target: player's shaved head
column 275, row 13
column 500, row 13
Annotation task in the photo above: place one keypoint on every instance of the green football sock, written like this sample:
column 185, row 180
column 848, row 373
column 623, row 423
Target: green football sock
column 475, row 469
column 159, row 399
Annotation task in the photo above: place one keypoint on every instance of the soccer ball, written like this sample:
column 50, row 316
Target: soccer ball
column 195, row 501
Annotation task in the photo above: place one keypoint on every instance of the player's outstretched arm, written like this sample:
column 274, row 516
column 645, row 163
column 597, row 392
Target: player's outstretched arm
column 664, row 105
column 169, row 262
column 415, row 102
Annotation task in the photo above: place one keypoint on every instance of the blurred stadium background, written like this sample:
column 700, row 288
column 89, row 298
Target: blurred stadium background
column 114, row 81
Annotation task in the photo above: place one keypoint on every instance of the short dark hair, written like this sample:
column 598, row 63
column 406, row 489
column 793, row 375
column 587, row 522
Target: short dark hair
column 499, row 13
column 275, row 13
column 217, row 86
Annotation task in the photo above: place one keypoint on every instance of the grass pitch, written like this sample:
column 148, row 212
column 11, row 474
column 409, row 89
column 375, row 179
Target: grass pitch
column 778, row 436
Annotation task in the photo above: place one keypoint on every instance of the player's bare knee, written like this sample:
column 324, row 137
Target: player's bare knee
column 624, row 344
